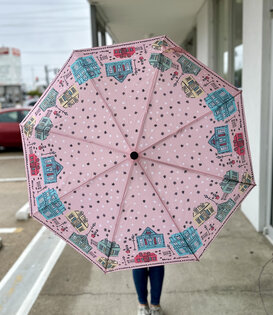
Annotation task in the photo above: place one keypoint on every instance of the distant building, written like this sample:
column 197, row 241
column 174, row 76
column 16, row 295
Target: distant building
column 85, row 68
column 145, row 257
column 78, row 220
column 220, row 140
column 34, row 164
column 222, row 104
column 191, row 87
column 149, row 239
column 49, row 204
column 107, row 263
column 124, row 52
column 202, row 213
column 49, row 100
column 108, row 248
column 160, row 62
column 119, row 69
column 188, row 66
column 223, row 209
column 186, row 242
column 29, row 126
column 43, row 128
column 81, row 242
column 51, row 169
column 69, row 97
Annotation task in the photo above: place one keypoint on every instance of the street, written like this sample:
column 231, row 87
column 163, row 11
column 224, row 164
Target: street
column 13, row 197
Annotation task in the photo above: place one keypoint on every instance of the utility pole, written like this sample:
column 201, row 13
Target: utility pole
column 46, row 75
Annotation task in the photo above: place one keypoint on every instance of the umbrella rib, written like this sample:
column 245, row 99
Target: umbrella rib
column 147, row 107
column 88, row 141
column 112, row 114
column 194, row 171
column 167, row 209
column 120, row 207
column 176, row 131
column 187, row 125
column 92, row 178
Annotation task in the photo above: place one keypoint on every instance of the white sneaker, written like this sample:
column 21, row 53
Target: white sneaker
column 143, row 310
column 156, row 310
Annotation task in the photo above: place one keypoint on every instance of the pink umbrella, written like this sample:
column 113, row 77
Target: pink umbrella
column 137, row 154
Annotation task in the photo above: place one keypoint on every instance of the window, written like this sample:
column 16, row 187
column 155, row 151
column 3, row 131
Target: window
column 229, row 16
column 9, row 117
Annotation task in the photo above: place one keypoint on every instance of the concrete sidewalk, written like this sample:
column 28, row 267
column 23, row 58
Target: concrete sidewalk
column 225, row 281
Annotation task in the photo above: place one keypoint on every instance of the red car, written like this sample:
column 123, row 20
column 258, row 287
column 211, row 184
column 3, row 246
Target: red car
column 9, row 126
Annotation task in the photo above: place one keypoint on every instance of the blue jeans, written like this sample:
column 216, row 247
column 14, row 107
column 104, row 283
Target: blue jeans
column 156, row 275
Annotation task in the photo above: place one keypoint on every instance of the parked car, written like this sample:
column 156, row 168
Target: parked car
column 9, row 126
column 30, row 102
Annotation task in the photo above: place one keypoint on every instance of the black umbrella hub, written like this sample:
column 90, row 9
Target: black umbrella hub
column 134, row 155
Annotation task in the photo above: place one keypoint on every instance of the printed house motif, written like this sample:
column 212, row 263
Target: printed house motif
column 50, row 100
column 119, row 69
column 231, row 179
column 221, row 103
column 34, row 164
column 29, row 126
column 186, row 242
column 51, row 169
column 145, row 257
column 108, row 248
column 220, row 140
column 78, row 220
column 149, row 239
column 49, row 204
column 107, row 263
column 246, row 181
column 159, row 44
column 69, row 97
column 202, row 213
column 191, row 87
column 124, row 52
column 85, row 68
column 223, row 209
column 160, row 62
column 43, row 128
column 188, row 66
column 80, row 241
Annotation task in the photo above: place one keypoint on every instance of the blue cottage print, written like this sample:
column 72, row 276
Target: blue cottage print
column 108, row 248
column 85, row 68
column 51, row 169
column 188, row 66
column 222, row 104
column 149, row 239
column 49, row 100
column 186, row 242
column 49, row 204
column 223, row 209
column 160, row 62
column 119, row 69
column 80, row 241
column 220, row 140
column 43, row 128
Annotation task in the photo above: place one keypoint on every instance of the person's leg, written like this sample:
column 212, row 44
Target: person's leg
column 156, row 275
column 140, row 277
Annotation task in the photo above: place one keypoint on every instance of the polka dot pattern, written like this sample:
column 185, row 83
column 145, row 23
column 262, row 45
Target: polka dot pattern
column 137, row 154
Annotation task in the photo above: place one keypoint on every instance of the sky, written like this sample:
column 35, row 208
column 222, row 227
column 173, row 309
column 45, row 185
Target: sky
column 46, row 32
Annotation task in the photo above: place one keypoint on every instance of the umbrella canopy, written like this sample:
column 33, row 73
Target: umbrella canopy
column 137, row 154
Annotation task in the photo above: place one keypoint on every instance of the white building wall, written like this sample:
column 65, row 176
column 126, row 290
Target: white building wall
column 256, row 91
column 205, row 34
